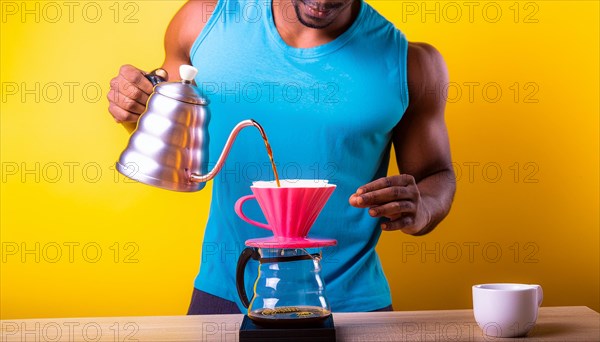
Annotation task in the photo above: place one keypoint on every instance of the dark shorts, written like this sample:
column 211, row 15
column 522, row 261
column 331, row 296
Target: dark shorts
column 206, row 304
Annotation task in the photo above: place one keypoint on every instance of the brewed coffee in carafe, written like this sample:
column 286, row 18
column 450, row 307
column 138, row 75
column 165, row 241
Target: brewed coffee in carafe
column 289, row 289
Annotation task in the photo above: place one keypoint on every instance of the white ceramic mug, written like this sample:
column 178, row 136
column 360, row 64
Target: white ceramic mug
column 506, row 310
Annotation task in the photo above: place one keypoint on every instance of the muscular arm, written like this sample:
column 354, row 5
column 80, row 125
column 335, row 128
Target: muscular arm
column 420, row 197
column 421, row 139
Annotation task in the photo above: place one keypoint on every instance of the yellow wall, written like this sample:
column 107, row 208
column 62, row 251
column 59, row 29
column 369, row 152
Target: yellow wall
column 526, row 209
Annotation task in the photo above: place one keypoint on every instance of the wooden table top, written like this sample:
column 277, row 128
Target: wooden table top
column 571, row 323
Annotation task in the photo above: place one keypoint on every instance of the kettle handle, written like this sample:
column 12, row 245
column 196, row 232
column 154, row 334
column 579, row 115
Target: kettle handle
column 156, row 76
column 247, row 253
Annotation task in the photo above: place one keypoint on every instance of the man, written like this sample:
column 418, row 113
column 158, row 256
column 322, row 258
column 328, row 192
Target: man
column 330, row 81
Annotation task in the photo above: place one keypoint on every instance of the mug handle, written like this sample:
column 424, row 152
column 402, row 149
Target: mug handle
column 540, row 294
column 240, row 213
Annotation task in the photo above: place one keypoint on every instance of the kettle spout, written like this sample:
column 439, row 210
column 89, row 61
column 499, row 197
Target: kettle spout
column 221, row 161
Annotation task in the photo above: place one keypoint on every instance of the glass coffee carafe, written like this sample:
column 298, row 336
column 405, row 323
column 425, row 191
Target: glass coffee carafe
column 289, row 289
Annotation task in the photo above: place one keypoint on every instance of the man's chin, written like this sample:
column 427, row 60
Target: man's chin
column 312, row 22
column 312, row 17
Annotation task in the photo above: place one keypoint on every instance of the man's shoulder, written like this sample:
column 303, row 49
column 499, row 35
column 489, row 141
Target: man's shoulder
column 424, row 53
column 188, row 22
column 195, row 7
column 196, row 12
column 426, row 72
column 425, row 63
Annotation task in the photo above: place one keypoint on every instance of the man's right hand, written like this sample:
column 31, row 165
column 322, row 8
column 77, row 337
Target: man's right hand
column 129, row 92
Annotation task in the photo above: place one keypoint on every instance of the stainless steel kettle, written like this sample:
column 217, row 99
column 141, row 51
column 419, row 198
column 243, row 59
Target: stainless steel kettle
column 169, row 147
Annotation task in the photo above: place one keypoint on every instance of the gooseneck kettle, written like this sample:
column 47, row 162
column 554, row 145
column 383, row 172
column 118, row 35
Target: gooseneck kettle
column 169, row 147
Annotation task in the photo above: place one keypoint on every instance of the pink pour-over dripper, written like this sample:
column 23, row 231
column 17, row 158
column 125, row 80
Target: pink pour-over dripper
column 290, row 211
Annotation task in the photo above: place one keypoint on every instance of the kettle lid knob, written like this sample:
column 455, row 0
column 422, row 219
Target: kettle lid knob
column 187, row 73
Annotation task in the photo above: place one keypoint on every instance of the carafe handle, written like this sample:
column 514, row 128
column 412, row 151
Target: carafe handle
column 247, row 254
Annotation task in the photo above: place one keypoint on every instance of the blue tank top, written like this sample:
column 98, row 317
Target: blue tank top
column 328, row 111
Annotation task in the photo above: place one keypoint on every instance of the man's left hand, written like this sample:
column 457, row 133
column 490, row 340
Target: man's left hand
column 396, row 198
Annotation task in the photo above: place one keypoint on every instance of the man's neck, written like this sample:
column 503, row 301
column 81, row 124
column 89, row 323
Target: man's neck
column 295, row 34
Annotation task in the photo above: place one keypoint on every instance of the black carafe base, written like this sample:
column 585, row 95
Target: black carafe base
column 316, row 332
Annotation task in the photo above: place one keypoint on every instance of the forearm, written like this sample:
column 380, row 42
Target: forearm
column 437, row 193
